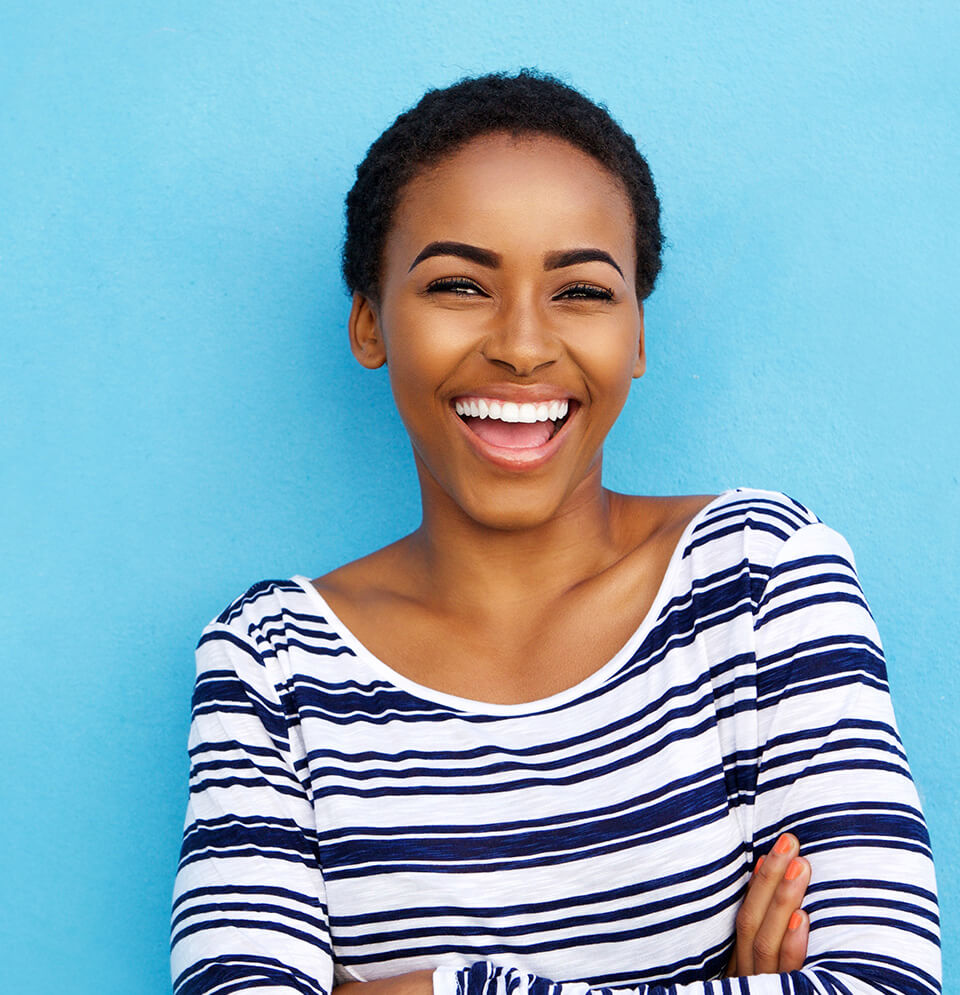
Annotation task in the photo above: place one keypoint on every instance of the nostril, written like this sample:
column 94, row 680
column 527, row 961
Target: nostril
column 520, row 369
column 521, row 347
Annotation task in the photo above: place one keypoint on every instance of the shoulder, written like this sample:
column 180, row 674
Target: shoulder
column 761, row 533
column 708, row 517
column 770, row 511
column 264, row 622
column 758, row 521
column 388, row 575
column 744, row 525
column 258, row 601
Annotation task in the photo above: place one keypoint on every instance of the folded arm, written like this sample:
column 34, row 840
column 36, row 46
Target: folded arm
column 831, row 772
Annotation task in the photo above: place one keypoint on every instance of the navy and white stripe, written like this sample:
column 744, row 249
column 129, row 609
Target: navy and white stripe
column 346, row 823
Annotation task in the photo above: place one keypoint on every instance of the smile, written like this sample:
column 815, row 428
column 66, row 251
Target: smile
column 514, row 434
column 510, row 411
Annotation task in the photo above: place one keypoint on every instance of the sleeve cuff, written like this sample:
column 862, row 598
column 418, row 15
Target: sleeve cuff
column 446, row 981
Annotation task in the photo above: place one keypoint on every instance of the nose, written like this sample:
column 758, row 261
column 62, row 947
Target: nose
column 520, row 339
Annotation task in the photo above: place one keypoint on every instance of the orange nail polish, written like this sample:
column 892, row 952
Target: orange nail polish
column 760, row 862
column 782, row 845
column 795, row 921
column 793, row 869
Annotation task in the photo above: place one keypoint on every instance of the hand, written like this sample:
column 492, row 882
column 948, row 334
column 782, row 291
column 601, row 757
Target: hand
column 772, row 929
column 414, row 983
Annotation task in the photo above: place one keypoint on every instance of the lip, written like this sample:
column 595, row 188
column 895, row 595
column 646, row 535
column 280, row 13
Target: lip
column 516, row 459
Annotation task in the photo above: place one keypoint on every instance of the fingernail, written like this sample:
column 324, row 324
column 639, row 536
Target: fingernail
column 783, row 844
column 759, row 863
column 793, row 869
column 795, row 921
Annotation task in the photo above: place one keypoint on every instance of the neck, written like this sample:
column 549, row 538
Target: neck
column 472, row 568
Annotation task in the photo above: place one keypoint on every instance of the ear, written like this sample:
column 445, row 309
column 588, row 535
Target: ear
column 366, row 340
column 640, row 365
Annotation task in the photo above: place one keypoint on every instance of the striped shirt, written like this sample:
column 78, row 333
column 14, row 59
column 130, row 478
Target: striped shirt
column 345, row 823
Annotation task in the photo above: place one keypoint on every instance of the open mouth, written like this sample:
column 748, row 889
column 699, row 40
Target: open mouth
column 512, row 425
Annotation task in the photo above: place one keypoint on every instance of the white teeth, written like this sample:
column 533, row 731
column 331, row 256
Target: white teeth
column 510, row 411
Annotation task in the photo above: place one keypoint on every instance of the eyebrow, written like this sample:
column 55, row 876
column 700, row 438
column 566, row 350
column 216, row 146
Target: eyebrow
column 483, row 257
column 570, row 257
column 490, row 259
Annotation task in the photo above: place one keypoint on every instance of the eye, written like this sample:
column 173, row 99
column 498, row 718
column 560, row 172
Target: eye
column 584, row 292
column 458, row 286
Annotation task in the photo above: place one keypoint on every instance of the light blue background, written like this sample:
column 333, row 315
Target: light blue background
column 181, row 416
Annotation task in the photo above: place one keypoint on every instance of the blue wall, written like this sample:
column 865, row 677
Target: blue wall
column 181, row 416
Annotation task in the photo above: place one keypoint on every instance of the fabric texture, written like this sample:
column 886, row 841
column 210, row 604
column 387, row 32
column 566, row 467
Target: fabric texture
column 345, row 823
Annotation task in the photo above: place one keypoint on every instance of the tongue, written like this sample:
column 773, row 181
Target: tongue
column 511, row 435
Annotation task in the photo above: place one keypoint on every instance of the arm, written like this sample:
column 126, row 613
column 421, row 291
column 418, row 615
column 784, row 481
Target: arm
column 831, row 771
column 771, row 928
column 249, row 907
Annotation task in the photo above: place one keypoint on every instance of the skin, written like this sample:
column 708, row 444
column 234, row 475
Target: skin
column 765, row 942
column 513, row 562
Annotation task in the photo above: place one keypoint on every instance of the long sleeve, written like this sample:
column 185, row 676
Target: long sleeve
column 830, row 768
column 249, row 905
column 833, row 772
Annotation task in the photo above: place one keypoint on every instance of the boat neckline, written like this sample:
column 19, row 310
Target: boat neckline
column 478, row 707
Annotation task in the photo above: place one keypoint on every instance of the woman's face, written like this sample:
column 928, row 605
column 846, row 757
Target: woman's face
column 507, row 299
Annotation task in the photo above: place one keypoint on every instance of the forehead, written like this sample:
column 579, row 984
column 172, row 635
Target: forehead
column 515, row 194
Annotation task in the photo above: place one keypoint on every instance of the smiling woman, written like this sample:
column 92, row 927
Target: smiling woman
column 528, row 305
column 556, row 732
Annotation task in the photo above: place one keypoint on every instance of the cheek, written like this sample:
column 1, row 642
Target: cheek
column 414, row 368
column 610, row 365
column 416, row 374
column 425, row 348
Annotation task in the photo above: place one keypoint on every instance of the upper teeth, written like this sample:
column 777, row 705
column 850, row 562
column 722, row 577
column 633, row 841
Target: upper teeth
column 478, row 407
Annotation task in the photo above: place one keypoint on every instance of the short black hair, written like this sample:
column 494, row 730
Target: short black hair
column 528, row 102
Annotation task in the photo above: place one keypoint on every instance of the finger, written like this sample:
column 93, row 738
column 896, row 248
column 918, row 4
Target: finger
column 785, row 901
column 793, row 950
column 731, row 971
column 763, row 885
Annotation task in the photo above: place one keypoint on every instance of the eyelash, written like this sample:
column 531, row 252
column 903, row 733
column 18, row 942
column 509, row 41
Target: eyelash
column 458, row 285
column 462, row 287
column 586, row 291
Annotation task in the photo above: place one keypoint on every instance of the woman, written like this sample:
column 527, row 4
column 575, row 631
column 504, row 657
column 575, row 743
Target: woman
column 548, row 734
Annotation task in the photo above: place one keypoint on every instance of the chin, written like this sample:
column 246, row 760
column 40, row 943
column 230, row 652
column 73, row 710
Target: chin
column 519, row 504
